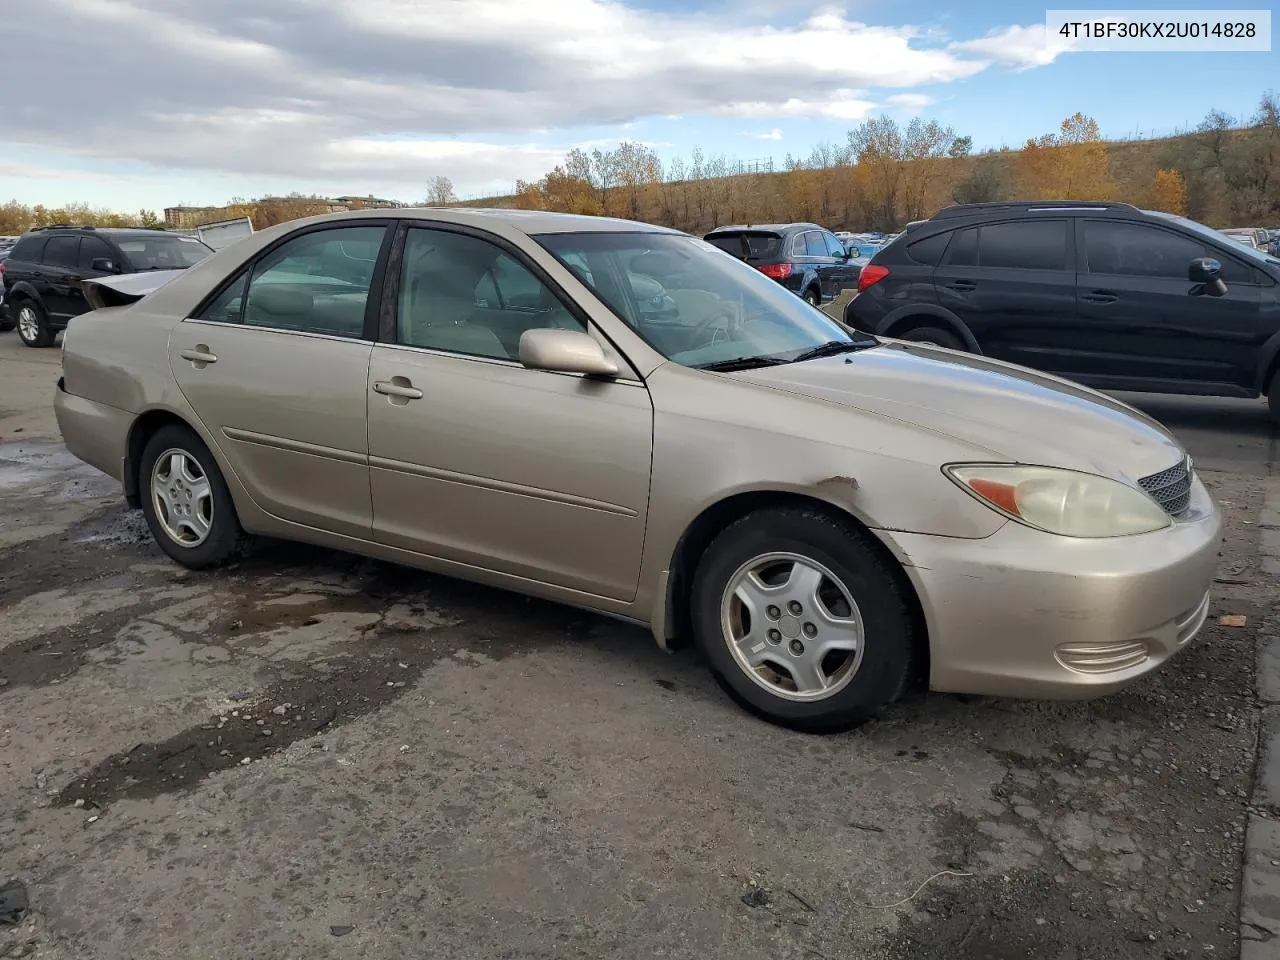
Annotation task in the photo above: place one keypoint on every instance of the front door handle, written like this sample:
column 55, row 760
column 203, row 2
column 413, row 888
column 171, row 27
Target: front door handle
column 397, row 387
column 200, row 356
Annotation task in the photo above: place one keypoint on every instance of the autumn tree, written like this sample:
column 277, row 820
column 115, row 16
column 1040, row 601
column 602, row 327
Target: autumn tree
column 1071, row 164
column 960, row 147
column 440, row 192
column 987, row 182
column 905, row 164
column 1169, row 192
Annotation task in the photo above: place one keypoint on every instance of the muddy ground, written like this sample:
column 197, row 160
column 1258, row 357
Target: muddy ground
column 312, row 755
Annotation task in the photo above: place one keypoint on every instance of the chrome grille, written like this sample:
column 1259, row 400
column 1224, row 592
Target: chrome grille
column 1171, row 488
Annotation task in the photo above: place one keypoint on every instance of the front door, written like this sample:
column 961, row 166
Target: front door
column 276, row 367
column 479, row 460
column 1142, row 319
column 1014, row 286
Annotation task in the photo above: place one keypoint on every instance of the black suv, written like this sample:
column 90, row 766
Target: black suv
column 42, row 275
column 803, row 257
column 1105, row 294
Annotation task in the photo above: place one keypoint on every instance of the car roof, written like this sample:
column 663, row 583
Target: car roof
column 525, row 221
column 765, row 227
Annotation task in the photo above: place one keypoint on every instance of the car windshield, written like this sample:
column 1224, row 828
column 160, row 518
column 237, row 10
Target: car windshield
column 163, row 252
column 695, row 304
column 1249, row 251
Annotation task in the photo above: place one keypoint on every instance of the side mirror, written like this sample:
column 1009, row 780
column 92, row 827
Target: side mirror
column 1206, row 272
column 103, row 264
column 565, row 351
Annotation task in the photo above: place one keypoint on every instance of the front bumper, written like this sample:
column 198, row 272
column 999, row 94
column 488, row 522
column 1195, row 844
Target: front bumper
column 1027, row 614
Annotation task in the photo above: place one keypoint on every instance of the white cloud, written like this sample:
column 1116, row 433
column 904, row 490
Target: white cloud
column 393, row 91
column 774, row 134
column 1019, row 47
column 908, row 101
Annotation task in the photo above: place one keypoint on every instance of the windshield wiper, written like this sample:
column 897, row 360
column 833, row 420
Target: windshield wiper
column 832, row 348
column 742, row 363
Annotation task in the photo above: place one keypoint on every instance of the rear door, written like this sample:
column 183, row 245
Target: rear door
column 1014, row 284
column 1141, row 317
column 61, row 270
column 276, row 367
column 844, row 273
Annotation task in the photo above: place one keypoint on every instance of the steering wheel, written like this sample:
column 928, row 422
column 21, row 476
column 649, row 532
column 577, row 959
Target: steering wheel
column 724, row 319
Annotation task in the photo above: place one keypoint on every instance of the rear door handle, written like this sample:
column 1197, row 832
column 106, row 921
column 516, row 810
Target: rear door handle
column 1100, row 296
column 397, row 387
column 199, row 356
column 962, row 286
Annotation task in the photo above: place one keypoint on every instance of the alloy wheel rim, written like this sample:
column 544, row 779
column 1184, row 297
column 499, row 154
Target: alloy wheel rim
column 28, row 323
column 792, row 626
column 183, row 498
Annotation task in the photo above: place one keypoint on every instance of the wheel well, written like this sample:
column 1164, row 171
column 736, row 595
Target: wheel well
column 917, row 320
column 1270, row 376
column 718, row 516
column 143, row 429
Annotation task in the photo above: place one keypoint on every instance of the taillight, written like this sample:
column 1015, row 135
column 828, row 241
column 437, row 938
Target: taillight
column 776, row 271
column 871, row 274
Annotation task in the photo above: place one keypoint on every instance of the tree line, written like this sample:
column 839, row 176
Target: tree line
column 880, row 177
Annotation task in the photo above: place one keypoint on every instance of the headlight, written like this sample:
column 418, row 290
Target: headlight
column 1065, row 502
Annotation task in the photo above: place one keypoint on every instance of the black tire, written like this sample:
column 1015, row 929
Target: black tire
column 933, row 335
column 42, row 336
column 1273, row 398
column 812, row 296
column 225, row 539
column 7, row 323
column 890, row 633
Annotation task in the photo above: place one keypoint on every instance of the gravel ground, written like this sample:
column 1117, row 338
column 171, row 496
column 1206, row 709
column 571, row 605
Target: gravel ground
column 311, row 754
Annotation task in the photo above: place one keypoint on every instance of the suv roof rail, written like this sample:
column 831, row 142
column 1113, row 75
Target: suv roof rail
column 63, row 226
column 1014, row 206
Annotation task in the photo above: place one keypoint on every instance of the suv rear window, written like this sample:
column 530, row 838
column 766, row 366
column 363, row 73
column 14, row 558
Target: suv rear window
column 744, row 245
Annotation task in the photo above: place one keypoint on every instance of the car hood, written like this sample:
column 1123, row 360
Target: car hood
column 1012, row 414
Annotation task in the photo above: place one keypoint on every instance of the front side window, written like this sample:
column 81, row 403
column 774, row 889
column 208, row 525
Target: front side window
column 694, row 305
column 1133, row 250
column 834, row 247
column 162, row 252
column 316, row 283
column 461, row 294
column 91, row 249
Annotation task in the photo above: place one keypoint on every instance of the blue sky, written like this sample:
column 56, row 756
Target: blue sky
column 209, row 99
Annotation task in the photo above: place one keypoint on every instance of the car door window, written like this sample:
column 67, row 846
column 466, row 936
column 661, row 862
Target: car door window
column 1134, row 250
column 91, row 249
column 834, row 247
column 461, row 294
column 62, row 251
column 316, row 283
column 1024, row 245
column 814, row 244
column 964, row 249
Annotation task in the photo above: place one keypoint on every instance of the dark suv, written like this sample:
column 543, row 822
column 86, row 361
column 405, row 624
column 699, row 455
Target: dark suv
column 803, row 257
column 1105, row 294
column 42, row 275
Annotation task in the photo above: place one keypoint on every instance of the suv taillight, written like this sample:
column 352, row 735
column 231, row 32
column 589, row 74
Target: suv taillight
column 871, row 274
column 776, row 271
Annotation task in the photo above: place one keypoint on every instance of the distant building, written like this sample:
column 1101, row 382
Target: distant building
column 185, row 218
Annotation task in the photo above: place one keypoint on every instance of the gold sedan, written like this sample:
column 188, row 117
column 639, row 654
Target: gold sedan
column 625, row 418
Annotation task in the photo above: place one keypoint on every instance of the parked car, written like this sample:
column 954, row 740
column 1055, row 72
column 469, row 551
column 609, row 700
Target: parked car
column 828, row 516
column 6, row 319
column 1104, row 294
column 803, row 257
column 1246, row 236
column 44, row 272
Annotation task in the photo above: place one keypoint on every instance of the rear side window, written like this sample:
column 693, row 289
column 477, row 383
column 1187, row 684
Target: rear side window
column 1024, row 245
column 929, row 250
column 62, row 251
column 814, row 244
column 964, row 249
column 748, row 246
column 28, row 248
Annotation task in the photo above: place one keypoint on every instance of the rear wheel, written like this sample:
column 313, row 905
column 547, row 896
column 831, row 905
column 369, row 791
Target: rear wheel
column 33, row 324
column 803, row 620
column 812, row 296
column 934, row 336
column 186, row 502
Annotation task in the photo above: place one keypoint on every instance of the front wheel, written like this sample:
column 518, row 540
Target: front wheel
column 803, row 620
column 33, row 324
column 186, row 502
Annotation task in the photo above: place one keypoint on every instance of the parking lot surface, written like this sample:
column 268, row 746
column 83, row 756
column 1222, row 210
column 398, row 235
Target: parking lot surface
column 309, row 754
